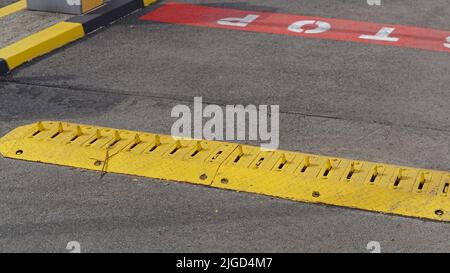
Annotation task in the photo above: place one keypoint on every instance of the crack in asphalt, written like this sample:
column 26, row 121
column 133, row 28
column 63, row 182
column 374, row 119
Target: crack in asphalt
column 206, row 101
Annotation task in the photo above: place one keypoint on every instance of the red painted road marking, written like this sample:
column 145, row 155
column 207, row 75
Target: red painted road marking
column 303, row 26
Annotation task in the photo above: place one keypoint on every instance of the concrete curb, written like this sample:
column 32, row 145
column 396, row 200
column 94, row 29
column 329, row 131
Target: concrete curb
column 13, row 8
column 3, row 67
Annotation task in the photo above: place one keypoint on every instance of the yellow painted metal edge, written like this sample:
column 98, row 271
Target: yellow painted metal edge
column 13, row 8
column 290, row 175
column 41, row 42
column 89, row 5
column 149, row 2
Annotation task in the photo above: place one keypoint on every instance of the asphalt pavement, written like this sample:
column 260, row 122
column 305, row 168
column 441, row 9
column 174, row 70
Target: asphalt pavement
column 366, row 102
column 6, row 2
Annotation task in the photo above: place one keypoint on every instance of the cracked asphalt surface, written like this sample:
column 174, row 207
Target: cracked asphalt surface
column 365, row 102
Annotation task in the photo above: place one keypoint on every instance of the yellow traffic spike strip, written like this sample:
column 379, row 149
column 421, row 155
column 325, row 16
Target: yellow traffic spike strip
column 291, row 175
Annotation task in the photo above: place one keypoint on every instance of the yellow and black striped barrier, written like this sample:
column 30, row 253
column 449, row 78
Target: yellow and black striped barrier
column 62, row 33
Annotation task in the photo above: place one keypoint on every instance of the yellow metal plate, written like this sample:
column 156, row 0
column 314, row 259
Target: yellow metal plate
column 148, row 2
column 89, row 5
column 296, row 176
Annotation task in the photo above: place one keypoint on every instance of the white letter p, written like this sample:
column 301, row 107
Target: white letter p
column 238, row 22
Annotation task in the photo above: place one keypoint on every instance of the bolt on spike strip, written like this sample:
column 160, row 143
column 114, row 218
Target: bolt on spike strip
column 296, row 176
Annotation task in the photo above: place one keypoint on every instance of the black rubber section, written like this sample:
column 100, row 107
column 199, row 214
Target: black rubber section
column 4, row 68
column 110, row 12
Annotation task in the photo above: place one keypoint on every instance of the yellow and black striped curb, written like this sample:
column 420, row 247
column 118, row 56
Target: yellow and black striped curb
column 63, row 33
column 291, row 175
